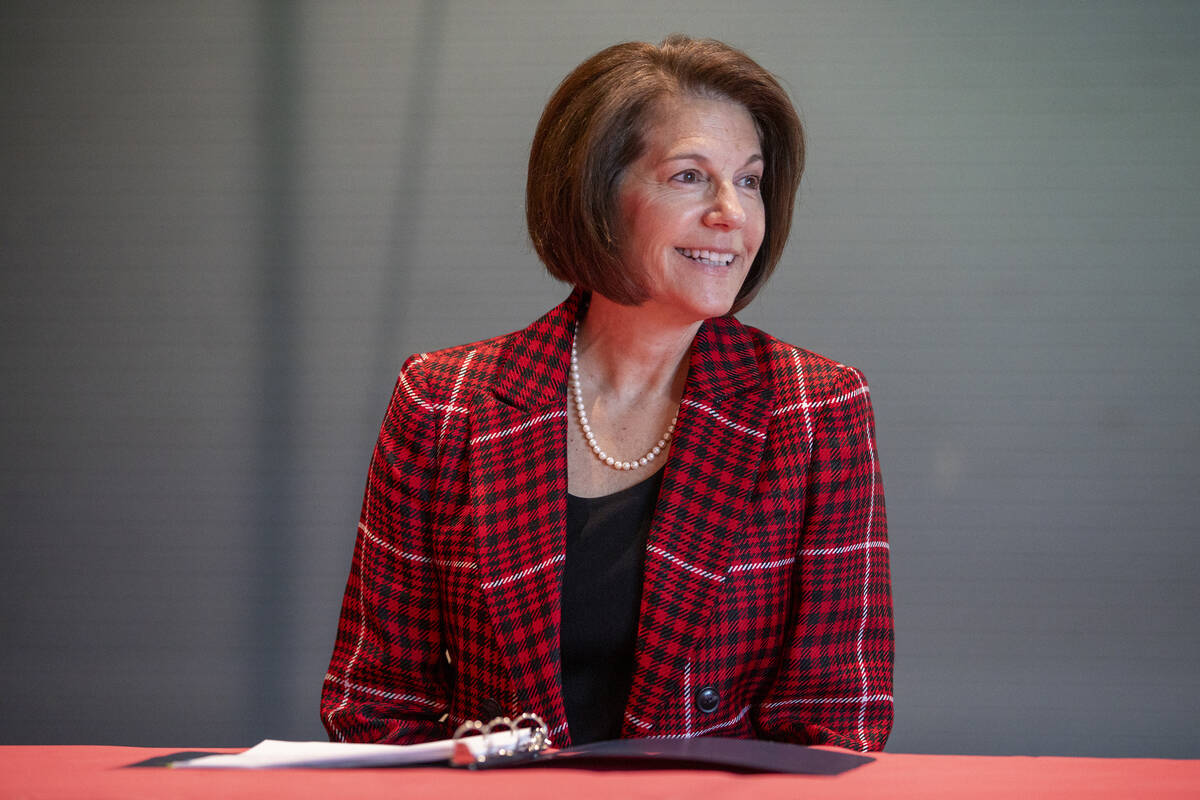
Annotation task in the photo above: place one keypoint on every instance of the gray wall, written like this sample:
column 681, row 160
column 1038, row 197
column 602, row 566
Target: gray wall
column 224, row 225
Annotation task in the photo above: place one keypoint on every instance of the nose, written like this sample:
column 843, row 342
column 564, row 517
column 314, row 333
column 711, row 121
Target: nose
column 727, row 211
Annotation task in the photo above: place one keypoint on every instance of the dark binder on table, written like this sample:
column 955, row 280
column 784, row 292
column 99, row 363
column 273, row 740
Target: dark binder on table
column 703, row 752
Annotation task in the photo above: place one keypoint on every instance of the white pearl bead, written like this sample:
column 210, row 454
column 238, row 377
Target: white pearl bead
column 576, row 390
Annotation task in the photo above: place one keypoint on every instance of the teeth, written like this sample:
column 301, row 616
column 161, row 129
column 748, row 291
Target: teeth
column 710, row 257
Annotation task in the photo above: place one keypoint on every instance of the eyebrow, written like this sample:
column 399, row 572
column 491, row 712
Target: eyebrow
column 701, row 157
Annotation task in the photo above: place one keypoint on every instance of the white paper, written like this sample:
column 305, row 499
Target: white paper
column 276, row 754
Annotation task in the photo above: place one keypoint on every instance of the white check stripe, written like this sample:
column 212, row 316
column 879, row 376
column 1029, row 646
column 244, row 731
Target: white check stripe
column 353, row 660
column 718, row 725
column 830, row 701
column 646, row 726
column 837, row 551
column 681, row 563
column 816, row 551
column 525, row 573
column 412, row 698
column 462, row 373
column 687, row 698
column 841, row 398
column 783, row 562
column 423, row 403
column 862, row 627
column 806, row 406
column 414, row 556
column 487, row 437
column 350, row 664
column 722, row 419
column 709, row 728
column 808, row 426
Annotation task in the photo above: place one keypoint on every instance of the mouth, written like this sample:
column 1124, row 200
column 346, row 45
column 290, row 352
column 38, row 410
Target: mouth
column 709, row 258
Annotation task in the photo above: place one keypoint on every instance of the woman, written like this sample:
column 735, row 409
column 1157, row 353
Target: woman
column 636, row 517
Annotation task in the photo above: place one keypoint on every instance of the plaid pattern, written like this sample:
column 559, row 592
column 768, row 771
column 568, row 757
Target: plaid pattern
column 766, row 588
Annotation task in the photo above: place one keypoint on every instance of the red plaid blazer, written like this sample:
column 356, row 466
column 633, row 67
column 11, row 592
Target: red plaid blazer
column 766, row 602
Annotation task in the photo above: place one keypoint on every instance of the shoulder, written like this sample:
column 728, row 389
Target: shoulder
column 440, row 375
column 811, row 392
column 522, row 368
column 798, row 375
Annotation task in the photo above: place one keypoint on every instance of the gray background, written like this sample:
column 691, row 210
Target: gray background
column 224, row 225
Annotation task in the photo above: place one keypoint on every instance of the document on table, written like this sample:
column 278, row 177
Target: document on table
column 275, row 754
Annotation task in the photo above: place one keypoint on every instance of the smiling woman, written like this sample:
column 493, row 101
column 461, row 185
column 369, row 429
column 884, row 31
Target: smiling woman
column 637, row 516
column 691, row 210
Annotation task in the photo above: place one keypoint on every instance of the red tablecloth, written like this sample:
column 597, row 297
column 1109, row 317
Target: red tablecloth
column 98, row 772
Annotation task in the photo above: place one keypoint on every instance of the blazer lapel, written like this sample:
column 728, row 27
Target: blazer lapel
column 518, row 480
column 699, row 518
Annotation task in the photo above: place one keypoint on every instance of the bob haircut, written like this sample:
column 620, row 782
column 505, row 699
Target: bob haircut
column 593, row 128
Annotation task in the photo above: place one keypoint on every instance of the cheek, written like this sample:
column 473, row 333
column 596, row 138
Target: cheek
column 643, row 237
column 757, row 229
column 639, row 217
column 655, row 226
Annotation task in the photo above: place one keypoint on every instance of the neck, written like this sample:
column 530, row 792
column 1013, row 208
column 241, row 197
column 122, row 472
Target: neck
column 629, row 352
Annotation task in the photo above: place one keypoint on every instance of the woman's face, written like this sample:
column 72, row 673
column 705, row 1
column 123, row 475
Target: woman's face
column 692, row 208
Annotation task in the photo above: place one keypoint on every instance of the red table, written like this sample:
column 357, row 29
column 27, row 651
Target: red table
column 98, row 772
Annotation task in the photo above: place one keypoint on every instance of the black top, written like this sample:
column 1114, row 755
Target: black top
column 601, row 599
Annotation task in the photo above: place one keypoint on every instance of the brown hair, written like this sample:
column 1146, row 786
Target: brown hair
column 591, row 131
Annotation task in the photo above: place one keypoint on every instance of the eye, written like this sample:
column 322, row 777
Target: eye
column 688, row 176
column 752, row 182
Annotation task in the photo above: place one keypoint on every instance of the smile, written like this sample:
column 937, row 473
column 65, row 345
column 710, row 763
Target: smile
column 709, row 258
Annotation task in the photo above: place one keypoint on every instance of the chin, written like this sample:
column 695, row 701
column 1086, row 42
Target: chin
column 709, row 308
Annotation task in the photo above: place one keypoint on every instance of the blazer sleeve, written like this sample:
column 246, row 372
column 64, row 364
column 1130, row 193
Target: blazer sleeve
column 387, row 678
column 834, row 680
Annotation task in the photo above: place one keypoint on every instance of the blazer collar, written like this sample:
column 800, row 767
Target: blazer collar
column 534, row 362
column 723, row 362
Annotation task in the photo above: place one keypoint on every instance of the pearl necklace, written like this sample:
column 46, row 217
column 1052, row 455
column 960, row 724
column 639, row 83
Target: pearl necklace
column 604, row 457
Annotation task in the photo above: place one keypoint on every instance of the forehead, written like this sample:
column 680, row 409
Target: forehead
column 709, row 122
